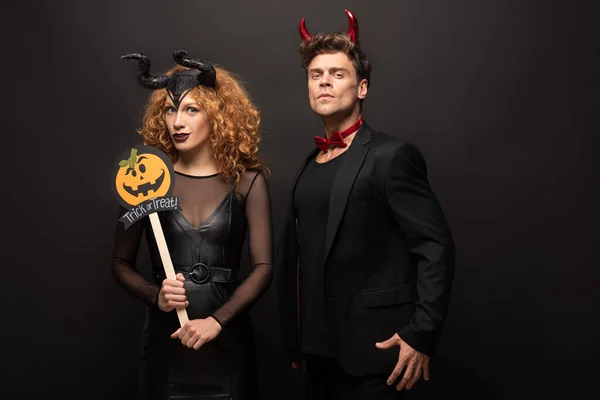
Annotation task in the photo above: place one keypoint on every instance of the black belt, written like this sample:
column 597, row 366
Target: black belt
column 202, row 273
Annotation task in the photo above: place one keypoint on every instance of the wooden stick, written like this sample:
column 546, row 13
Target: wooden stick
column 166, row 259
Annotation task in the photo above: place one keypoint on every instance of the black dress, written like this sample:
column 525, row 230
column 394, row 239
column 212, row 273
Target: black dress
column 206, row 236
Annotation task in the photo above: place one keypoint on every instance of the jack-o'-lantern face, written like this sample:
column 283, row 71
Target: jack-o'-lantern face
column 141, row 177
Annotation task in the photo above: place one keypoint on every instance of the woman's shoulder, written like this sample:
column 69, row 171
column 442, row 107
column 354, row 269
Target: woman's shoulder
column 252, row 174
column 249, row 179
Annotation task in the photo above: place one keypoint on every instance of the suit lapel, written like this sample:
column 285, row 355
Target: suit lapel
column 291, row 212
column 310, row 156
column 287, row 250
column 344, row 181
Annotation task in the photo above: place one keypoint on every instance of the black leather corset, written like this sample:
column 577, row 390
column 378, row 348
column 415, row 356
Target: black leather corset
column 207, row 256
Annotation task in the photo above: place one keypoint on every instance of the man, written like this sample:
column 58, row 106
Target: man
column 366, row 259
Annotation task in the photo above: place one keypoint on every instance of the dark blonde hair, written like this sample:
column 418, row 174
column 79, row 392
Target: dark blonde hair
column 234, row 121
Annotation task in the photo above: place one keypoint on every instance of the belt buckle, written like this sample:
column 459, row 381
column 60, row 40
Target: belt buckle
column 197, row 276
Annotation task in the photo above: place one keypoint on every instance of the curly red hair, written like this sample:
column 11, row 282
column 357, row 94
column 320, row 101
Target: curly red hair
column 235, row 125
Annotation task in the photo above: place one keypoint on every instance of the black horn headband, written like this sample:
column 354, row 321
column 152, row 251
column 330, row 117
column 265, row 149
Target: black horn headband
column 202, row 73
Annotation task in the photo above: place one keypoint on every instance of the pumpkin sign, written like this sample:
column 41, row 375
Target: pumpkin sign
column 143, row 181
column 143, row 173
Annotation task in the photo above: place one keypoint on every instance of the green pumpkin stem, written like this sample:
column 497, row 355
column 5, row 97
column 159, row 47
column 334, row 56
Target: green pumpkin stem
column 132, row 158
column 130, row 161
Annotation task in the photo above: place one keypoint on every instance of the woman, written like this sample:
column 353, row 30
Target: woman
column 202, row 118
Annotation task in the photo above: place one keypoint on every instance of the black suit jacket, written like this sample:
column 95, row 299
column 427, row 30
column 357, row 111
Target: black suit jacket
column 389, row 257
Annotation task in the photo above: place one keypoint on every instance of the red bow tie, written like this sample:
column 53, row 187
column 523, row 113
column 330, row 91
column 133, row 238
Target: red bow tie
column 337, row 139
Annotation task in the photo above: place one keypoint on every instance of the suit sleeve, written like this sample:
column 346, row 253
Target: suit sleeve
column 420, row 217
column 288, row 285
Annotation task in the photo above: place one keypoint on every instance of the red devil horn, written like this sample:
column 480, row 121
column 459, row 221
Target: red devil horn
column 303, row 31
column 352, row 26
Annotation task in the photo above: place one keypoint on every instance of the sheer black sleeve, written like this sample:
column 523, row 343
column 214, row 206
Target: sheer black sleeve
column 260, row 244
column 127, row 243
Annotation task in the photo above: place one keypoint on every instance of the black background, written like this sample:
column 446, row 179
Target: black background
column 500, row 96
